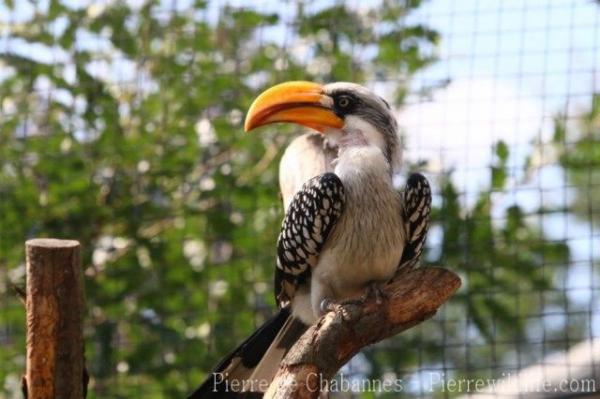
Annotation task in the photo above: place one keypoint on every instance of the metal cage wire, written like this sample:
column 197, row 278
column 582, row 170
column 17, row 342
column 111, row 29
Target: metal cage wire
column 504, row 71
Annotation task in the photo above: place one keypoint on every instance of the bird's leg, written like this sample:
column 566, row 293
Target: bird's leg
column 374, row 290
column 343, row 307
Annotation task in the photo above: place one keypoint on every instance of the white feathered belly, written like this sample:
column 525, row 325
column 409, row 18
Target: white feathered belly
column 366, row 244
column 364, row 247
column 365, row 252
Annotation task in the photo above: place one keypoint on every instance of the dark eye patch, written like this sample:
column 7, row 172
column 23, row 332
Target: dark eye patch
column 344, row 103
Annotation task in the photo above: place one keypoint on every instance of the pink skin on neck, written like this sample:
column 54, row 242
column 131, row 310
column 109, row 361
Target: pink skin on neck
column 352, row 139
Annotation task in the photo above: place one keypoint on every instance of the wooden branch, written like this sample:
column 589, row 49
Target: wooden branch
column 55, row 308
column 412, row 297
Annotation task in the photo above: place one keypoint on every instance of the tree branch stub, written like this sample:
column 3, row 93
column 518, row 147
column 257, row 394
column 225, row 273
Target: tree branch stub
column 55, row 309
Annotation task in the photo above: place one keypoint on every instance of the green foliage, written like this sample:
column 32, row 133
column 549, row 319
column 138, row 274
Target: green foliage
column 122, row 127
column 499, row 171
column 339, row 33
column 578, row 149
column 475, row 246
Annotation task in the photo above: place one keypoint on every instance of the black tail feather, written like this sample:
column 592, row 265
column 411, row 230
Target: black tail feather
column 245, row 357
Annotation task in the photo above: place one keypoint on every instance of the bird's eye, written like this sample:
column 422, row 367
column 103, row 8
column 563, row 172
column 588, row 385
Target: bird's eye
column 344, row 101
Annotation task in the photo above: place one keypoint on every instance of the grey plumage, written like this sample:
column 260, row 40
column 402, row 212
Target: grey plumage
column 345, row 227
column 369, row 107
column 366, row 243
column 313, row 154
column 380, row 231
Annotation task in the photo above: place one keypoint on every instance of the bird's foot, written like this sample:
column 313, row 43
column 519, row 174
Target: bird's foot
column 346, row 308
column 375, row 291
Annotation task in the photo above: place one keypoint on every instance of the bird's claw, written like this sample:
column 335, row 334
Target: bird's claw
column 343, row 307
column 326, row 305
column 376, row 291
column 372, row 291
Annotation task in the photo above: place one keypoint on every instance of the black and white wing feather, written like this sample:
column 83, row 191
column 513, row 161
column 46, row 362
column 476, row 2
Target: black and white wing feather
column 417, row 209
column 310, row 217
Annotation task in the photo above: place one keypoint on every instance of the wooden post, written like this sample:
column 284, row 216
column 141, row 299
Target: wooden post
column 55, row 308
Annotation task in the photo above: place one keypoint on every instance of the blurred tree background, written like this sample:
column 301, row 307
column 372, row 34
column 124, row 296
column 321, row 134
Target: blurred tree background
column 121, row 127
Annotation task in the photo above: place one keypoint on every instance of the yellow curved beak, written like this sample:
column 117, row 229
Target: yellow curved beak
column 298, row 102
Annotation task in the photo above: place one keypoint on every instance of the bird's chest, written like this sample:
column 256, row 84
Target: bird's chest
column 367, row 241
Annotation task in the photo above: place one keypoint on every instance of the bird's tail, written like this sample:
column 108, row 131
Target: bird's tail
column 249, row 369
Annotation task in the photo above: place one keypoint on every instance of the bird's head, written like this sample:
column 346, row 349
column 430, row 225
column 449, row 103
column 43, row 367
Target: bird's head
column 348, row 114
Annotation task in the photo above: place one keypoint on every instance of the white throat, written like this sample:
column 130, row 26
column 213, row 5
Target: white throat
column 357, row 161
column 356, row 125
column 359, row 134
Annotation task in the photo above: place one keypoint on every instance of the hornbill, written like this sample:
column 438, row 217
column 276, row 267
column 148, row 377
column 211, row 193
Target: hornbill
column 346, row 229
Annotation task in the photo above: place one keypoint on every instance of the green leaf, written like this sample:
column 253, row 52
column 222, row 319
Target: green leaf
column 502, row 151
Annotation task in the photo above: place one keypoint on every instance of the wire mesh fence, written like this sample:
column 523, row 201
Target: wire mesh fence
column 121, row 126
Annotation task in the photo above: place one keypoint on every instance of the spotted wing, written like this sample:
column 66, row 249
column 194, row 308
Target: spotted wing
column 417, row 210
column 310, row 217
